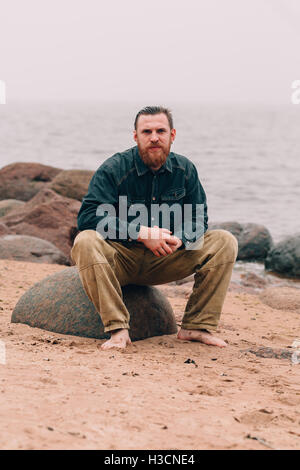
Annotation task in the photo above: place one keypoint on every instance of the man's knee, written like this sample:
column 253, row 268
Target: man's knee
column 85, row 242
column 226, row 242
column 85, row 238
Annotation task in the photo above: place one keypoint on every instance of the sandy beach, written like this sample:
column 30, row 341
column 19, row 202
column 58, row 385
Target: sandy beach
column 63, row 392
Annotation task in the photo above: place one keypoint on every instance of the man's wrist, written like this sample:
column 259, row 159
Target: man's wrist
column 143, row 233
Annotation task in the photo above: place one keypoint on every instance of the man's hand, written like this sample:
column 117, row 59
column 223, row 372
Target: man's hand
column 159, row 240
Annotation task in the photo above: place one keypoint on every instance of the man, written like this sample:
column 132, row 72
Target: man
column 113, row 249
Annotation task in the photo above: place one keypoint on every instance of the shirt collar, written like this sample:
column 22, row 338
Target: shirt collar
column 141, row 168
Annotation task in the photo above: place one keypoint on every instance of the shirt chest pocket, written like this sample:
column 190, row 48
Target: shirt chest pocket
column 174, row 195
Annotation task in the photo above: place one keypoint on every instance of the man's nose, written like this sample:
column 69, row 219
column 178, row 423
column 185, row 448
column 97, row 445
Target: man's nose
column 154, row 137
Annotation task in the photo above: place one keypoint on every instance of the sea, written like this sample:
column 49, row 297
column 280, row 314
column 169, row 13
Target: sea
column 247, row 156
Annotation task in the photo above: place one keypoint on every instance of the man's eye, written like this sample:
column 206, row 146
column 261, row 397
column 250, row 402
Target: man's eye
column 146, row 132
column 161, row 131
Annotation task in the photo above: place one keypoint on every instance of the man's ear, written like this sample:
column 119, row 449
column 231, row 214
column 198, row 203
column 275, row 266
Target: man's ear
column 173, row 135
column 134, row 135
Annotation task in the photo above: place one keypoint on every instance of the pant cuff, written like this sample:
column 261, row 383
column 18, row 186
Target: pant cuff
column 198, row 326
column 116, row 326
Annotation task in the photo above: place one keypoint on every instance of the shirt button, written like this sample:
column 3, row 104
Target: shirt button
column 152, row 218
column 129, row 240
column 153, row 198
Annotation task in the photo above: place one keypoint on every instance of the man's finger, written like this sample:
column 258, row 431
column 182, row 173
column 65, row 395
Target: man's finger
column 167, row 248
column 173, row 248
column 171, row 241
column 162, row 251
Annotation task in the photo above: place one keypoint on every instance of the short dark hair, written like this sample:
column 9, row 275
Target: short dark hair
column 154, row 110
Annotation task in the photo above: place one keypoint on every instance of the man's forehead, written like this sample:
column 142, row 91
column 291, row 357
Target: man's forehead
column 153, row 121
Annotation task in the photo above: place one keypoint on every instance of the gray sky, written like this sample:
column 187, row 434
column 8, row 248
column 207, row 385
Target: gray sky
column 156, row 50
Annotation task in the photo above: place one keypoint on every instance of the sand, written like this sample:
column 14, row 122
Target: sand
column 63, row 392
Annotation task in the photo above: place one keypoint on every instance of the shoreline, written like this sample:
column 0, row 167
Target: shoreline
column 272, row 279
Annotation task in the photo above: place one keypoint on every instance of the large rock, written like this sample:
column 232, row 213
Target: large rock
column 254, row 240
column 4, row 230
column 72, row 183
column 60, row 304
column 23, row 180
column 48, row 216
column 8, row 205
column 32, row 249
column 284, row 258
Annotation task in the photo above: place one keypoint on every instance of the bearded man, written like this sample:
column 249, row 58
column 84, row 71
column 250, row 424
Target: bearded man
column 114, row 248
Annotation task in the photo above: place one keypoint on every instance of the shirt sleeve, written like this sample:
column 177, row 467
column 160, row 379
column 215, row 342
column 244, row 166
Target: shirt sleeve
column 195, row 219
column 100, row 208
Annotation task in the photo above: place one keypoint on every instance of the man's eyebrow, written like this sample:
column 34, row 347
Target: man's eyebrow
column 149, row 129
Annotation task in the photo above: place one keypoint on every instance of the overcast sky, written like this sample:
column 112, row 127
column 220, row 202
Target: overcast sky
column 150, row 50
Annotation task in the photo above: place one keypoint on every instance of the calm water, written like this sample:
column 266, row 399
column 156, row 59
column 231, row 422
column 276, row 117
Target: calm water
column 248, row 159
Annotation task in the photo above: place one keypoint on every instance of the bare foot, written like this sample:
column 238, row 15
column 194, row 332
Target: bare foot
column 119, row 339
column 203, row 336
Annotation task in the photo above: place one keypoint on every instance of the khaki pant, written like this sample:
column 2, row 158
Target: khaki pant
column 105, row 266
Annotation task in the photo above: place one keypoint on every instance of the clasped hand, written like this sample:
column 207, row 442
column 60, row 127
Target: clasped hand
column 159, row 240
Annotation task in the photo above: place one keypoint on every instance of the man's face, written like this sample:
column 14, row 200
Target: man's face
column 154, row 138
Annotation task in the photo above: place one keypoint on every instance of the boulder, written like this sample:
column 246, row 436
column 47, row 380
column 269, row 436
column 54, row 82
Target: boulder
column 32, row 249
column 48, row 216
column 72, row 183
column 8, row 205
column 233, row 227
column 23, row 180
column 254, row 240
column 282, row 298
column 4, row 230
column 284, row 258
column 59, row 303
